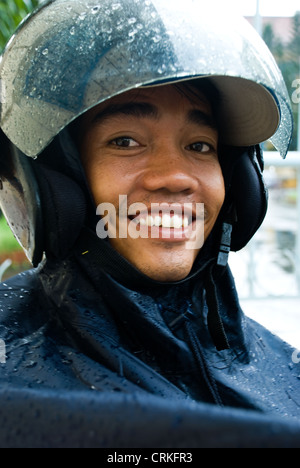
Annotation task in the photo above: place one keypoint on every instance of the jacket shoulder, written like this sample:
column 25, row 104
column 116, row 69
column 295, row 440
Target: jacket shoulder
column 21, row 302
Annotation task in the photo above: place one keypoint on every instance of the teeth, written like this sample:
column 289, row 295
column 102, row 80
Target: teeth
column 157, row 221
column 143, row 222
column 150, row 221
column 176, row 221
column 185, row 221
column 165, row 221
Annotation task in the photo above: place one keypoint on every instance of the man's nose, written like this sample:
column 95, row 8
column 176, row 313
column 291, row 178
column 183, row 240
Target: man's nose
column 170, row 169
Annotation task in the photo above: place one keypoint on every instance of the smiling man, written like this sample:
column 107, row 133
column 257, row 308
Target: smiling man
column 156, row 146
column 130, row 167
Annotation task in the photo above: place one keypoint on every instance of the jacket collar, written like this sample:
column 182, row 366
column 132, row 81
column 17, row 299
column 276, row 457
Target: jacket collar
column 96, row 254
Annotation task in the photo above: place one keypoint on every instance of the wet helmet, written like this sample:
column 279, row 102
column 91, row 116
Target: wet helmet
column 71, row 55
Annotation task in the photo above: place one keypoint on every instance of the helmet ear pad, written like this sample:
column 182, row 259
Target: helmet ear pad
column 246, row 198
column 45, row 208
column 63, row 210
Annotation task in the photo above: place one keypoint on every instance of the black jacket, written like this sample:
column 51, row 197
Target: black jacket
column 99, row 355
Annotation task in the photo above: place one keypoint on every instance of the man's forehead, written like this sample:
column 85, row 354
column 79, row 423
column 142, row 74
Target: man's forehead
column 185, row 96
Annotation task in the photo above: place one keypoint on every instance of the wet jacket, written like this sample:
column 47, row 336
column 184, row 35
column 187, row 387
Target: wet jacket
column 97, row 354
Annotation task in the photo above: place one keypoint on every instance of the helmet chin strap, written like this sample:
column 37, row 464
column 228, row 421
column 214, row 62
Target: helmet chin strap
column 214, row 320
column 226, row 236
column 225, row 245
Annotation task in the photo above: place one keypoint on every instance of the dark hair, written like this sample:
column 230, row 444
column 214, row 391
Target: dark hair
column 207, row 88
column 190, row 89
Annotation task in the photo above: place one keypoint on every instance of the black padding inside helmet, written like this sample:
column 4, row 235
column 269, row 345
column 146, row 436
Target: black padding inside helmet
column 63, row 211
column 246, row 195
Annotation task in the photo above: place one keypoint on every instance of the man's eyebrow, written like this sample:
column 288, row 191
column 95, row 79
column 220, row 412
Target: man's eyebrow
column 198, row 117
column 146, row 110
column 134, row 109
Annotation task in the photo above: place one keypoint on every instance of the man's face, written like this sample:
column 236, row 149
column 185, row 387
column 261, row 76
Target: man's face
column 155, row 146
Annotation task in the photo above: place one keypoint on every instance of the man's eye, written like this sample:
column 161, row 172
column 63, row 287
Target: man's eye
column 200, row 147
column 124, row 142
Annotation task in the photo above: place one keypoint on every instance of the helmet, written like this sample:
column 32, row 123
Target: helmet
column 71, row 55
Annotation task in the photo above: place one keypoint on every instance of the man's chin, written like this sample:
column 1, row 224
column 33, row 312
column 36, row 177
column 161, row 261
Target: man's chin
column 163, row 262
column 169, row 274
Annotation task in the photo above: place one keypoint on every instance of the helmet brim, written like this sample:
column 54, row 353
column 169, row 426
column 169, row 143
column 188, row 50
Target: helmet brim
column 71, row 56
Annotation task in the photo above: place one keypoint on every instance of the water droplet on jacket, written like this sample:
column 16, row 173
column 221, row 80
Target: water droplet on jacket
column 30, row 364
column 132, row 20
column 156, row 39
column 67, row 361
column 95, row 9
column 116, row 6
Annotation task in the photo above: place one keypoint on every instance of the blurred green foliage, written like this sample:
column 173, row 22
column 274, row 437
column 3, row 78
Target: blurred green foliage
column 7, row 241
column 11, row 14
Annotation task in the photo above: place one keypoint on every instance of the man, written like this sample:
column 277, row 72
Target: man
column 168, row 154
column 144, row 124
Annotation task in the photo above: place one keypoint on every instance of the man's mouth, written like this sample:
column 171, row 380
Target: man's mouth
column 166, row 216
column 179, row 224
column 183, row 223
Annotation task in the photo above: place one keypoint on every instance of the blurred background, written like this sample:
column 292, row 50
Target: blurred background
column 267, row 271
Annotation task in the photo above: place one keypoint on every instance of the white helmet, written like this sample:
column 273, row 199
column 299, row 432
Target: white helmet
column 71, row 55
column 74, row 54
